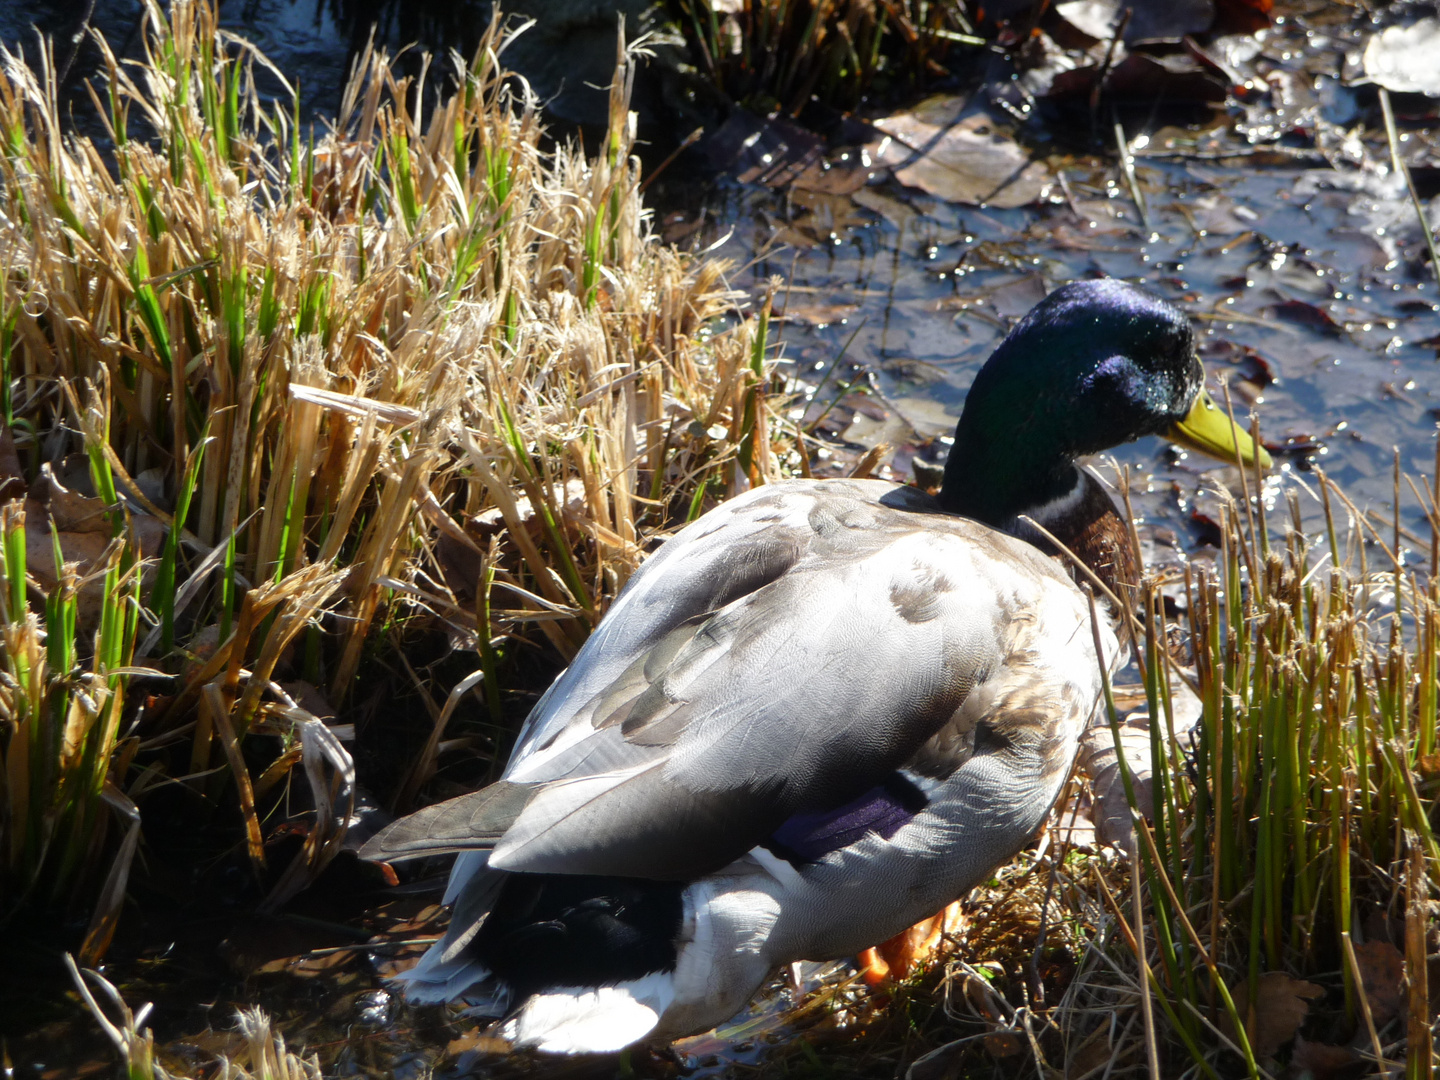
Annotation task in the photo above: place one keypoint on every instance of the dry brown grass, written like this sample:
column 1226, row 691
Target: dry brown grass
column 266, row 392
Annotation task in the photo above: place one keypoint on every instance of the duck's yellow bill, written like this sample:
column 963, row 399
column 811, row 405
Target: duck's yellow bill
column 1209, row 430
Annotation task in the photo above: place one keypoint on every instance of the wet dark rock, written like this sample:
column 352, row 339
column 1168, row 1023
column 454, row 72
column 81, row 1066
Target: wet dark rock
column 1338, row 102
column 373, row 1008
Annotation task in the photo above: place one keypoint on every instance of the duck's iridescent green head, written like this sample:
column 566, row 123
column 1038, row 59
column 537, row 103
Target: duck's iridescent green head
column 1093, row 365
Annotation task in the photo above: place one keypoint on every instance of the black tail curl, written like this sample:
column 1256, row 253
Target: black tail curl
column 552, row 930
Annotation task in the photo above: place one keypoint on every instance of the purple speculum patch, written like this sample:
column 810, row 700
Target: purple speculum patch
column 811, row 837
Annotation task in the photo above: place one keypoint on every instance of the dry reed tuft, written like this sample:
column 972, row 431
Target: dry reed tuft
column 263, row 1048
column 266, row 394
column 781, row 56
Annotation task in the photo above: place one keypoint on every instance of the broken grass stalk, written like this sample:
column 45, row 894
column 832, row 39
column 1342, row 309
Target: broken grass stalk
column 1398, row 163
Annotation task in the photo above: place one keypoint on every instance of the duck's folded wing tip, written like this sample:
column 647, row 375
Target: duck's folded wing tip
column 470, row 822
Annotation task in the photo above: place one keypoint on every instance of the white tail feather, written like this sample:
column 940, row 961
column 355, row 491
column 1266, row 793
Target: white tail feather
column 591, row 1019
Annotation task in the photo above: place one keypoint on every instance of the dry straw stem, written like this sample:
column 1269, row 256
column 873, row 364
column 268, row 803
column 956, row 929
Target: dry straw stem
column 341, row 370
column 261, row 1047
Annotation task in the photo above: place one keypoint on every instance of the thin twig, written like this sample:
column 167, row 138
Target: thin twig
column 1127, row 167
column 1404, row 171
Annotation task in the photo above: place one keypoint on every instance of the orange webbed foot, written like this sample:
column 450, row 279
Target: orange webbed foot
column 892, row 961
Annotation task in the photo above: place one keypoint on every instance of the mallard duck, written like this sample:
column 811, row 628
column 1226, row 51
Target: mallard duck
column 821, row 712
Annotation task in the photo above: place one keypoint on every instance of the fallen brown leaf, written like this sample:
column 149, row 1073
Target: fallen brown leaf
column 79, row 523
column 69, row 510
column 961, row 159
column 897, row 213
column 1307, row 314
column 1281, row 1003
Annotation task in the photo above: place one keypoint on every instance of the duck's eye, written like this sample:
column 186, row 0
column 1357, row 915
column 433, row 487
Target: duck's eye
column 1117, row 379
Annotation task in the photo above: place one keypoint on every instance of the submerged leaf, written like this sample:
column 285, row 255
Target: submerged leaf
column 1307, row 314
column 1140, row 76
column 771, row 151
column 961, row 160
column 1150, row 20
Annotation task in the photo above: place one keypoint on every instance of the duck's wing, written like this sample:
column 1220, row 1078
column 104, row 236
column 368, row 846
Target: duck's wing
column 717, row 711
column 731, row 552
column 734, row 550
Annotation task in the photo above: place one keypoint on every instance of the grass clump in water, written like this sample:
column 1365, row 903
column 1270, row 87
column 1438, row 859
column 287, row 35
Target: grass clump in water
column 1298, row 821
column 270, row 397
column 779, row 56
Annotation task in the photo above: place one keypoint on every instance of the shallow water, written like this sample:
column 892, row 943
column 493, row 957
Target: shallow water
column 313, row 42
column 917, row 292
